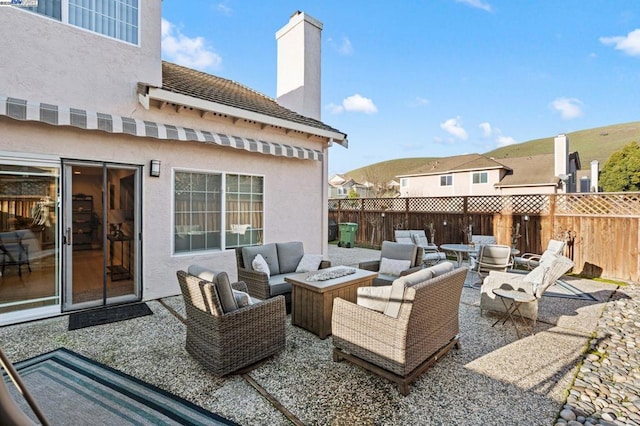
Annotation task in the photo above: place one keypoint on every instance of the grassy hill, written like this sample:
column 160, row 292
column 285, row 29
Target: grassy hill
column 591, row 144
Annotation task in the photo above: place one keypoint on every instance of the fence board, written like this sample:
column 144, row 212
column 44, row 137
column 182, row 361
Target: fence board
column 602, row 229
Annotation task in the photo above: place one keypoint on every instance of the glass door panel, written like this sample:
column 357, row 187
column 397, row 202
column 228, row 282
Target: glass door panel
column 28, row 238
column 100, row 224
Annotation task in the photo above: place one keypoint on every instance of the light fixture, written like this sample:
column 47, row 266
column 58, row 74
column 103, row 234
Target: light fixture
column 444, row 223
column 155, row 168
column 526, row 218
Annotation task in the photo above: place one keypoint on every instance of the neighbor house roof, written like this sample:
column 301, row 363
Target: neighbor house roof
column 534, row 170
column 186, row 86
column 458, row 163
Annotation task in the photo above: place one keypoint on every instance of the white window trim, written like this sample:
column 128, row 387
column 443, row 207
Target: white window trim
column 480, row 178
column 64, row 20
column 223, row 209
column 445, row 176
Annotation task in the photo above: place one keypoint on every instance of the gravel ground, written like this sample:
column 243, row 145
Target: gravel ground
column 493, row 379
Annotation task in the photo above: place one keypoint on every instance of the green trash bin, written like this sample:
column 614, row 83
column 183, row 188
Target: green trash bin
column 347, row 234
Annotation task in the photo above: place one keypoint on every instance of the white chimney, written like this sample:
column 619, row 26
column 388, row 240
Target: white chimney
column 299, row 46
column 594, row 175
column 561, row 155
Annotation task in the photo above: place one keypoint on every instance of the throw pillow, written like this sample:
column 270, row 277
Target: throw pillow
column 242, row 299
column 259, row 264
column 374, row 298
column 309, row 263
column 225, row 293
column 393, row 266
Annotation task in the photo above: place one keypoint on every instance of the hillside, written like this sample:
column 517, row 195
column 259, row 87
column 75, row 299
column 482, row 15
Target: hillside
column 591, row 144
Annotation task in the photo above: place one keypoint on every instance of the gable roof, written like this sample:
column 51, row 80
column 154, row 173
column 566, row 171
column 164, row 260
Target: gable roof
column 528, row 171
column 182, row 85
column 458, row 163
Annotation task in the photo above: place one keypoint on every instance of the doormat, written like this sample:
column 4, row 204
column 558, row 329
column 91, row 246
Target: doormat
column 72, row 389
column 101, row 316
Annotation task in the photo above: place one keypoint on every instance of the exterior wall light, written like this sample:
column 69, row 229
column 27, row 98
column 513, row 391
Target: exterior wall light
column 155, row 168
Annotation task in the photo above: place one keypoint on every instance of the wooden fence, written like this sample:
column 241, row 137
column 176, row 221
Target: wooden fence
column 602, row 230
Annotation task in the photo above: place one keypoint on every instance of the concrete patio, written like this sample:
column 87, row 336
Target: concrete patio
column 493, row 379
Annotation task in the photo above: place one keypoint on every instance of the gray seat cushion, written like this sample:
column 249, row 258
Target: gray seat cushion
column 268, row 251
column 289, row 255
column 383, row 279
column 277, row 284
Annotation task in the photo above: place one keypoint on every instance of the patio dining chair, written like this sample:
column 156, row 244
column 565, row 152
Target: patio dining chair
column 492, row 257
column 531, row 260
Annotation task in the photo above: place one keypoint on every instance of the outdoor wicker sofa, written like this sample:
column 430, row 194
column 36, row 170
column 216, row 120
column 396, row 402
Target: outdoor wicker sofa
column 418, row 326
column 224, row 342
column 283, row 260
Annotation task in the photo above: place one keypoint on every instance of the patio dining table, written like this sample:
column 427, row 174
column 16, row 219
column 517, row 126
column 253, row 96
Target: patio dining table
column 460, row 249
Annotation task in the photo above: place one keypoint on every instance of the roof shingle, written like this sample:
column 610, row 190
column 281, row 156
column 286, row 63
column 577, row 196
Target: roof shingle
column 200, row 85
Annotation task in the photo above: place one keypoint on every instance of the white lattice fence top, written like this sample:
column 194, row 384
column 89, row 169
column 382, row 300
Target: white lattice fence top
column 618, row 204
column 437, row 204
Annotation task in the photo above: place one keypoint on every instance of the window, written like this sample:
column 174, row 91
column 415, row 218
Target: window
column 244, row 210
column 113, row 18
column 404, row 182
column 202, row 210
column 480, row 177
column 446, row 180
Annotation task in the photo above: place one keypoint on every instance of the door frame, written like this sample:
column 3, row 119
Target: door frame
column 66, row 251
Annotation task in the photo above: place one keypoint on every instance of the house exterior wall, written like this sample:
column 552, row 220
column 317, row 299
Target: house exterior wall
column 63, row 64
column 462, row 184
column 282, row 199
column 67, row 66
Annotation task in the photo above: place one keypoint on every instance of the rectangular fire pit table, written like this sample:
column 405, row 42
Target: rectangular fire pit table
column 312, row 301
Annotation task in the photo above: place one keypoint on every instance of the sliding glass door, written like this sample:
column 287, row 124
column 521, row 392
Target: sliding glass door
column 29, row 285
column 101, row 225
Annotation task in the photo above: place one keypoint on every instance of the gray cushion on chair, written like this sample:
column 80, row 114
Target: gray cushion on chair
column 268, row 251
column 289, row 255
column 392, row 250
column 225, row 293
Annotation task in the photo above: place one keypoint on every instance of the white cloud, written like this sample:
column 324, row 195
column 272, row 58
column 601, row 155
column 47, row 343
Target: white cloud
column 505, row 140
column 487, row 131
column 224, row 8
column 629, row 44
column 190, row 52
column 478, row 4
column 568, row 108
column 453, row 126
column 335, row 109
column 418, row 102
column 354, row 103
column 346, row 48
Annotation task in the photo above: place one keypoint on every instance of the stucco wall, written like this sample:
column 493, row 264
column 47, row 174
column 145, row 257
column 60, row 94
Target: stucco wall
column 66, row 65
column 294, row 190
column 429, row 186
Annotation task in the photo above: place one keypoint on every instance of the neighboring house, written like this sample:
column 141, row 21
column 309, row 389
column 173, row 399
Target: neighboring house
column 475, row 174
column 118, row 169
column 340, row 186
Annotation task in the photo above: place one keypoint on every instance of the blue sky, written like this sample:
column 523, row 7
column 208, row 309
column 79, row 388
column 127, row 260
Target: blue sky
column 432, row 78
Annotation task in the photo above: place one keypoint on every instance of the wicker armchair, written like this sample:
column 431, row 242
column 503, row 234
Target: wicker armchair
column 401, row 348
column 226, row 342
column 394, row 251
